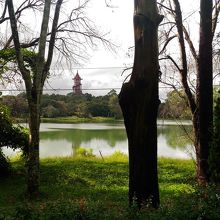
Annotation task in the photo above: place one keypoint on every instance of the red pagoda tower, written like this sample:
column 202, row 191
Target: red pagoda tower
column 77, row 87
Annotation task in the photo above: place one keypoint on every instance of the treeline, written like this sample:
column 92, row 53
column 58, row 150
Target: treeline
column 55, row 105
column 86, row 105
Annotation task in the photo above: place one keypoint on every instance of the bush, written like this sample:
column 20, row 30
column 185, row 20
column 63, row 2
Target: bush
column 12, row 136
column 15, row 137
column 4, row 165
column 83, row 152
column 214, row 161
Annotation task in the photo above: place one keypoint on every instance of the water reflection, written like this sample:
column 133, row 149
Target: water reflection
column 64, row 139
column 107, row 138
column 177, row 136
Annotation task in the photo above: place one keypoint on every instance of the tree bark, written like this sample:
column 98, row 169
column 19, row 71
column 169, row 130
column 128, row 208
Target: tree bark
column 205, row 91
column 34, row 82
column 139, row 102
column 202, row 105
column 33, row 165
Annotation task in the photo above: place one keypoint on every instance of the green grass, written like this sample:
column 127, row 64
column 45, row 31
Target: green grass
column 75, row 119
column 93, row 188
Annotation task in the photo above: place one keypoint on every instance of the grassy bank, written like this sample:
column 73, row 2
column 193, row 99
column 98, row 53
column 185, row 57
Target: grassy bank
column 72, row 119
column 93, row 188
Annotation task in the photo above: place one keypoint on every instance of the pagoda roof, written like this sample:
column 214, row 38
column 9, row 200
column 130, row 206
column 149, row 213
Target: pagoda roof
column 77, row 77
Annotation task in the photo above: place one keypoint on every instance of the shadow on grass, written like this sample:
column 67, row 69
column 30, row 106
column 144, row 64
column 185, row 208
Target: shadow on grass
column 96, row 189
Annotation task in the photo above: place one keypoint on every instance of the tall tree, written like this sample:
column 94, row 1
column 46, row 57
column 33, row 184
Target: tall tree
column 200, row 103
column 34, row 81
column 68, row 37
column 205, row 91
column 139, row 102
column 202, row 106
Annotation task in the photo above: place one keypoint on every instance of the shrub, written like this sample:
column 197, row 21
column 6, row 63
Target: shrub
column 214, row 162
column 83, row 152
column 15, row 137
column 4, row 165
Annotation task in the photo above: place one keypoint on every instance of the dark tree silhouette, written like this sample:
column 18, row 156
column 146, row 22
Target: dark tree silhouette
column 139, row 102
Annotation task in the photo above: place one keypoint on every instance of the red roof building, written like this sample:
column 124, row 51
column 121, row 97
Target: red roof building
column 77, row 86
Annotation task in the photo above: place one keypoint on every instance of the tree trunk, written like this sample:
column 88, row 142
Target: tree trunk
column 34, row 81
column 205, row 91
column 33, row 154
column 139, row 102
column 202, row 108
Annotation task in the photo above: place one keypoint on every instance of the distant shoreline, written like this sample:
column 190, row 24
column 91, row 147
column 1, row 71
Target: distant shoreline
column 74, row 119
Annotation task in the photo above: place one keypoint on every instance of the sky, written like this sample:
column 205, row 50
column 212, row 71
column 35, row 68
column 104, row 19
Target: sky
column 103, row 71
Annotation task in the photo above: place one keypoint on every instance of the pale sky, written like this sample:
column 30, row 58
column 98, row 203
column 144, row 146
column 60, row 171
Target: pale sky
column 103, row 70
column 118, row 21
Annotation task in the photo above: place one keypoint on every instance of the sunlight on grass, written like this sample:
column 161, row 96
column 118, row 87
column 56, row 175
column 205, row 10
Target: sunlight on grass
column 97, row 188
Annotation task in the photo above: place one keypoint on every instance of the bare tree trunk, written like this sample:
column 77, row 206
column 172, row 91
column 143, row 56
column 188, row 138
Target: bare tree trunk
column 202, row 105
column 33, row 177
column 139, row 102
column 34, row 81
column 205, row 91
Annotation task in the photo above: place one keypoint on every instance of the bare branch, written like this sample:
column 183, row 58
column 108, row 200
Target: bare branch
column 175, row 89
column 190, row 43
column 4, row 11
column 8, row 42
column 34, row 4
column 44, row 27
column 16, row 40
column 167, row 42
column 184, row 71
column 167, row 8
column 109, row 5
column 173, row 61
column 216, row 10
column 53, row 37
column 216, row 75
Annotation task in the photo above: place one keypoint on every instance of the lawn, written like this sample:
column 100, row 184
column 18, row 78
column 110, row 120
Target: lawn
column 71, row 120
column 96, row 188
column 75, row 119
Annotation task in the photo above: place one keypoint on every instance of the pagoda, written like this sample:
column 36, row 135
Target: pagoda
column 77, row 86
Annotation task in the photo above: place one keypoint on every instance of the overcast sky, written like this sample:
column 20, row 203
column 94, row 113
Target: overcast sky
column 103, row 70
column 108, row 66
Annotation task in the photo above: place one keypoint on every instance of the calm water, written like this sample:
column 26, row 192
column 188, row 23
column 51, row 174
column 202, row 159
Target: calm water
column 63, row 139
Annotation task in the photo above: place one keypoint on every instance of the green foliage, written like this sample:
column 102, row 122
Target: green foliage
column 8, row 55
column 5, row 167
column 117, row 156
column 75, row 119
column 177, row 137
column 53, row 106
column 15, row 137
column 208, row 202
column 84, row 152
column 92, row 188
column 114, row 106
column 214, row 161
column 17, row 104
column 175, row 106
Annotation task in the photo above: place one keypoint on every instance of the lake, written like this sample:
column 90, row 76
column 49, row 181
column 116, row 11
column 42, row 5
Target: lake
column 58, row 140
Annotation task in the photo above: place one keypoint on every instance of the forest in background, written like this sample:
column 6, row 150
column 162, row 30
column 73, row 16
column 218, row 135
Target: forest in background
column 87, row 105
